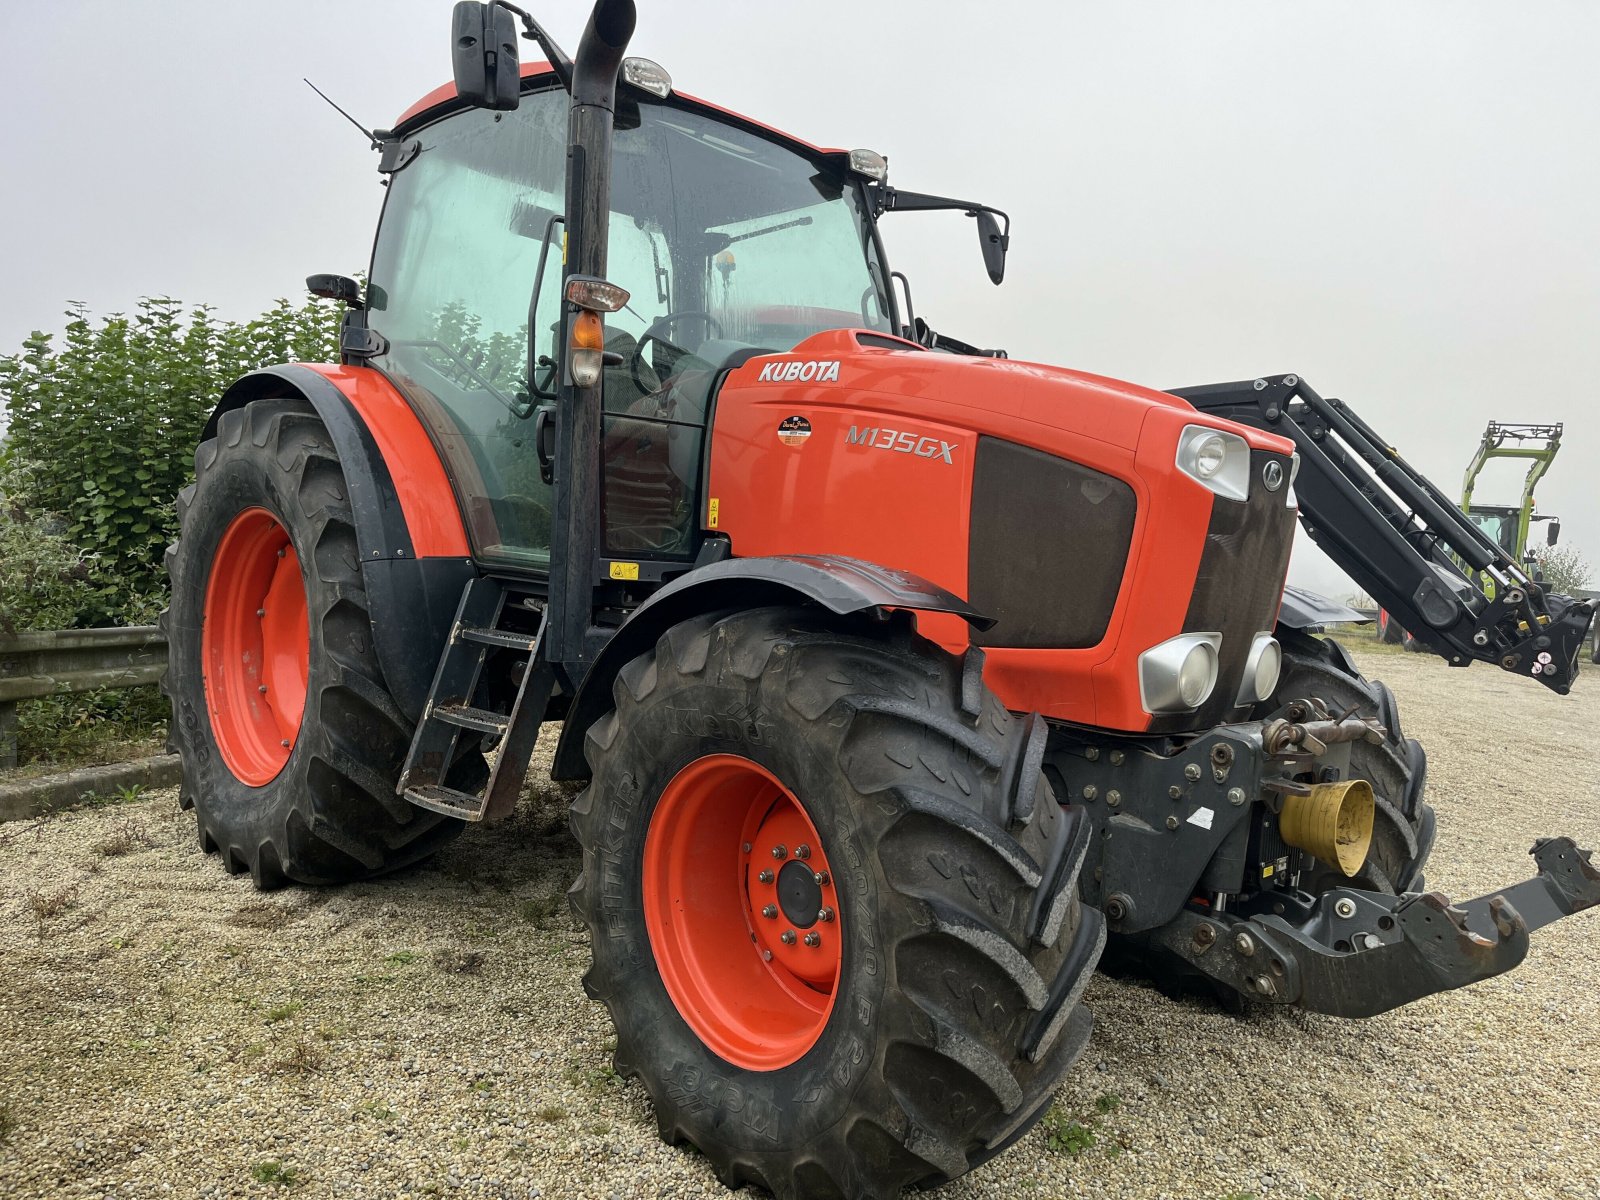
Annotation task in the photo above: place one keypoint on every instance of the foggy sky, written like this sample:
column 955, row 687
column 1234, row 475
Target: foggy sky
column 1396, row 201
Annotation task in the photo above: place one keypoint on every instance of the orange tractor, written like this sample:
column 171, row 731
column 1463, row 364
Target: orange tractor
column 901, row 674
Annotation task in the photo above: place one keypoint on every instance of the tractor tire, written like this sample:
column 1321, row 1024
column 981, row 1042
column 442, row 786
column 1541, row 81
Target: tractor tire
column 1402, row 834
column 291, row 742
column 900, row 1007
column 1389, row 631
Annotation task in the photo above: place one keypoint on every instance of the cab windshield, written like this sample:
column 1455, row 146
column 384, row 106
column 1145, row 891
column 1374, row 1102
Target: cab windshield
column 728, row 241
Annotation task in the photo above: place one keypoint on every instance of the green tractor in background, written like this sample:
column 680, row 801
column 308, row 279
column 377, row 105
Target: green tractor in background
column 1505, row 524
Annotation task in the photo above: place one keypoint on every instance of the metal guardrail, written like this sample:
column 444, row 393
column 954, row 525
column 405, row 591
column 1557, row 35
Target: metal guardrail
column 63, row 661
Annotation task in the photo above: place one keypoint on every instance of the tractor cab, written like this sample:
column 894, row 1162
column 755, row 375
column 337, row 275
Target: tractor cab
column 729, row 240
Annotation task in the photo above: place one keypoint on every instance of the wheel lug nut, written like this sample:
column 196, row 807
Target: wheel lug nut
column 770, row 912
column 780, row 851
column 280, row 553
column 765, row 877
column 747, row 847
column 802, row 851
column 261, row 612
column 820, row 878
column 813, row 939
column 284, row 743
column 825, row 914
column 766, row 955
column 262, row 689
column 787, row 937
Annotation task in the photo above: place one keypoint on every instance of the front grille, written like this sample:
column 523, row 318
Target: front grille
column 1047, row 548
column 1238, row 587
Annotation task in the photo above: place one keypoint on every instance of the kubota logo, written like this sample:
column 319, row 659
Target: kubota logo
column 902, row 443
column 810, row 370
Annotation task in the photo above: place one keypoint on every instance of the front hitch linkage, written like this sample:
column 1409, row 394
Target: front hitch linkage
column 1358, row 953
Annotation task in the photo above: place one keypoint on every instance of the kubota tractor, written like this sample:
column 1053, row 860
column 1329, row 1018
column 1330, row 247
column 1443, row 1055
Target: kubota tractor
column 900, row 673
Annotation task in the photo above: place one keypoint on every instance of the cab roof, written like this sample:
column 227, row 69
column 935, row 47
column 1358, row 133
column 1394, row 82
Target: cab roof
column 442, row 100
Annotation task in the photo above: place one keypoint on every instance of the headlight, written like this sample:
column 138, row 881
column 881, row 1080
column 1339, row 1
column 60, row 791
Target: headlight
column 1261, row 669
column 1179, row 674
column 1216, row 460
column 647, row 76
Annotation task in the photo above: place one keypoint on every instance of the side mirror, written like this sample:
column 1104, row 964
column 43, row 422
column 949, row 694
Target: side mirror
column 484, row 54
column 993, row 244
column 1553, row 534
column 336, row 287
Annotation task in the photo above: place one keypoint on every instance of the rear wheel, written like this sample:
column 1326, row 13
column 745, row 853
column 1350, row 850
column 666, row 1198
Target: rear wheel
column 290, row 740
column 833, row 907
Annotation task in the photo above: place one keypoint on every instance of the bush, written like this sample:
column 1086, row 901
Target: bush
column 102, row 436
column 1563, row 568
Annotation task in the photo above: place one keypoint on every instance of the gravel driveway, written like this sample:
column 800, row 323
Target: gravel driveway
column 165, row 1030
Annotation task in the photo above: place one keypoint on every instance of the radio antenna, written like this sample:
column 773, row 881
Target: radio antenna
column 367, row 132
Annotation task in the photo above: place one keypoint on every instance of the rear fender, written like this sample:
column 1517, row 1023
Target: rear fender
column 414, row 553
column 1305, row 610
column 840, row 585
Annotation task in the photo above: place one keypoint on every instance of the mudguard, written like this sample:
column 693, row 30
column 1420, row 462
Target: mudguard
column 838, row 584
column 414, row 554
column 1306, row 610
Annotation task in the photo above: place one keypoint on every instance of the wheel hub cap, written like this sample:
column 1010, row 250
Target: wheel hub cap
column 255, row 646
column 742, row 912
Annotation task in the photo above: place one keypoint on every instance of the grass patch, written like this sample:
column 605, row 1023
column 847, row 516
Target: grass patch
column 91, row 729
column 126, row 836
column 282, row 1012
column 273, row 1171
column 540, row 911
column 51, row 904
column 1063, row 1135
column 401, row 958
column 304, row 1058
column 460, row 962
column 1073, row 1135
column 596, row 1079
column 551, row 1113
column 374, row 1111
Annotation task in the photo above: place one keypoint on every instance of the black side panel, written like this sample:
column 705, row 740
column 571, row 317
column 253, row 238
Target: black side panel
column 1238, row 588
column 1048, row 545
column 841, row 585
column 410, row 600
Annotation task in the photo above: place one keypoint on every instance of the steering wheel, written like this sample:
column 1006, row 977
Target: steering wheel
column 657, row 333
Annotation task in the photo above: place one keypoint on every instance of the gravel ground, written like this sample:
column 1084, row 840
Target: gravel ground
column 167, row 1031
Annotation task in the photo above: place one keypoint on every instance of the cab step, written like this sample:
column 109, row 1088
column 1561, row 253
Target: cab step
column 457, row 707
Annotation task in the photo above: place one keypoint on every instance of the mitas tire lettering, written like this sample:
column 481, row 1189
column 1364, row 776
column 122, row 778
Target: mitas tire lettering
column 929, row 1057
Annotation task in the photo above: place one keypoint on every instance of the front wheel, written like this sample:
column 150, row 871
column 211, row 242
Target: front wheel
column 291, row 742
column 834, row 909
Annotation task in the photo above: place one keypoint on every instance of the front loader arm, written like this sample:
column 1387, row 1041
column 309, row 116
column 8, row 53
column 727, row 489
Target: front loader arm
column 1404, row 541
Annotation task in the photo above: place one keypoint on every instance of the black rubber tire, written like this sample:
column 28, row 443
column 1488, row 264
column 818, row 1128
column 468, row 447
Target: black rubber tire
column 331, row 815
column 966, row 946
column 1389, row 631
column 1402, row 833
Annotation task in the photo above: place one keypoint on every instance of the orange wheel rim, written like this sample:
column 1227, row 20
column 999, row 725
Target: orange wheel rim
column 255, row 646
column 743, row 912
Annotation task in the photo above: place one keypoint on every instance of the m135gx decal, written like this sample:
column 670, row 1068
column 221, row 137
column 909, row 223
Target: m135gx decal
column 902, row 442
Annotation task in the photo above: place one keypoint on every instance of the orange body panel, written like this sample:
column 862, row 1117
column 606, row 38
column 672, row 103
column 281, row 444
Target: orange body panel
column 426, row 498
column 902, row 496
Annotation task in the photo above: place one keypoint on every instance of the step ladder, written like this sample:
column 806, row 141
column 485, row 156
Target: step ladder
column 454, row 709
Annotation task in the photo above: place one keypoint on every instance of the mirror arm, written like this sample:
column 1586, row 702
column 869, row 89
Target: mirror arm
column 534, row 32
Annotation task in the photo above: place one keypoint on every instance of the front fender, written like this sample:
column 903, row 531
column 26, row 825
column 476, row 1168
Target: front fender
column 840, row 585
column 414, row 554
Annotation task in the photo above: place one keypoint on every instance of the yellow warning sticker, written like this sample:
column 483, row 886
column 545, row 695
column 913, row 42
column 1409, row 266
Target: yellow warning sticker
column 1266, row 870
column 711, row 512
column 622, row 570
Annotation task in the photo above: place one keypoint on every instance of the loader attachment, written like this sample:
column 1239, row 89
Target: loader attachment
column 1397, row 535
column 1353, row 953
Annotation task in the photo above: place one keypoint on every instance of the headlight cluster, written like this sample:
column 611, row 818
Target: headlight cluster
column 1179, row 674
column 1215, row 460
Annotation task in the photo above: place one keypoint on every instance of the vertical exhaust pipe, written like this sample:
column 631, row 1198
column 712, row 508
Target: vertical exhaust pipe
column 577, row 541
